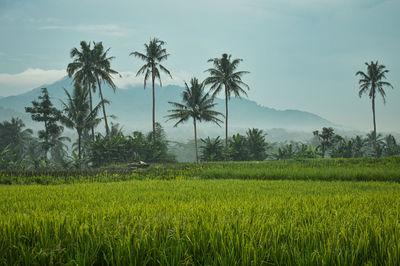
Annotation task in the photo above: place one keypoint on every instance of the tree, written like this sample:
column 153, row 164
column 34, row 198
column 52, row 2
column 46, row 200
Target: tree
column 82, row 70
column 13, row 134
column 285, row 151
column 212, row 150
column 196, row 105
column 359, row 145
column 44, row 111
column 257, row 145
column 223, row 77
column 326, row 139
column 103, row 72
column 372, row 83
column 390, row 146
column 77, row 113
column 376, row 144
column 153, row 56
column 239, row 148
column 58, row 150
column 158, row 146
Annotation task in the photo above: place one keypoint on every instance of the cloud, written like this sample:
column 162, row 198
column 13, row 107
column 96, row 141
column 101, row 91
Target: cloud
column 13, row 84
column 129, row 79
column 105, row 29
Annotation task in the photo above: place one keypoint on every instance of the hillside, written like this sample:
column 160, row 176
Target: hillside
column 132, row 108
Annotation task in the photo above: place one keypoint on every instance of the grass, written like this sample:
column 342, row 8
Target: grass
column 202, row 222
column 382, row 169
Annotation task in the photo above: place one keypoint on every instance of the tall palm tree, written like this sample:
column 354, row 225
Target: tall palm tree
column 103, row 72
column 153, row 56
column 78, row 114
column 196, row 105
column 225, row 77
column 82, row 70
column 372, row 83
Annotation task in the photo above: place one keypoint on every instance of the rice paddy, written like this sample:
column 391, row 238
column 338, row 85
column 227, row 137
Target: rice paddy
column 201, row 222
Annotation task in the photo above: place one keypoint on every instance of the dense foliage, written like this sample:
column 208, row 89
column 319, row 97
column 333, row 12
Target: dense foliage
column 118, row 148
column 44, row 111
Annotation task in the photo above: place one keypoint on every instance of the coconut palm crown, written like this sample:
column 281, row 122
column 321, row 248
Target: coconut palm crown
column 372, row 83
column 81, row 69
column 225, row 77
column 196, row 105
column 153, row 56
column 77, row 113
column 103, row 72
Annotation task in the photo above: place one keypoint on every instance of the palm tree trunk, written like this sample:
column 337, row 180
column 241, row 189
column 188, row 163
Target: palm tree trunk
column 103, row 107
column 79, row 145
column 91, row 108
column 195, row 139
column 154, row 106
column 373, row 117
column 226, row 117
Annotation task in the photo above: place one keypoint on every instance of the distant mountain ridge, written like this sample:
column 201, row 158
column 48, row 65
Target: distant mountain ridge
column 132, row 107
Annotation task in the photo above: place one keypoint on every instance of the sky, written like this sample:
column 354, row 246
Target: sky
column 301, row 54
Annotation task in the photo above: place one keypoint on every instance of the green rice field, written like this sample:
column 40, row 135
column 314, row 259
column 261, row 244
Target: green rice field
column 196, row 219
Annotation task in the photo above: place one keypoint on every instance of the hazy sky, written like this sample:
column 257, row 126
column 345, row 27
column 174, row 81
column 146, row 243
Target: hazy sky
column 302, row 54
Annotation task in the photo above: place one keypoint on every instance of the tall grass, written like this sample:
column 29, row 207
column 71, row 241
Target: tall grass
column 383, row 169
column 201, row 222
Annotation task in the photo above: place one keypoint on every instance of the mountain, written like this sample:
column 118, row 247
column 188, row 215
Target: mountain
column 132, row 107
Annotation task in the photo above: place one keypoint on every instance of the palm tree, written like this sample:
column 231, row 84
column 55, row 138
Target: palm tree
column 390, row 146
column 326, row 139
column 212, row 149
column 58, row 150
column 224, row 77
column 359, row 146
column 257, row 144
column 197, row 105
column 78, row 114
column 153, row 56
column 239, row 148
column 12, row 133
column 102, row 71
column 372, row 83
column 82, row 70
column 376, row 143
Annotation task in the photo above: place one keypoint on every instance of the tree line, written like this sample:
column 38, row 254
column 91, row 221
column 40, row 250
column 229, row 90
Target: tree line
column 91, row 68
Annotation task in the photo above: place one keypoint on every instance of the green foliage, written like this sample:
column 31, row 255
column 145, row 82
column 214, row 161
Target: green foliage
column 112, row 149
column 251, row 147
column 154, row 54
column 44, row 111
column 9, row 158
column 239, row 148
column 225, row 77
column 103, row 73
column 77, row 113
column 13, row 136
column 212, row 150
column 257, row 145
column 196, row 105
column 213, row 222
column 327, row 139
column 372, row 83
